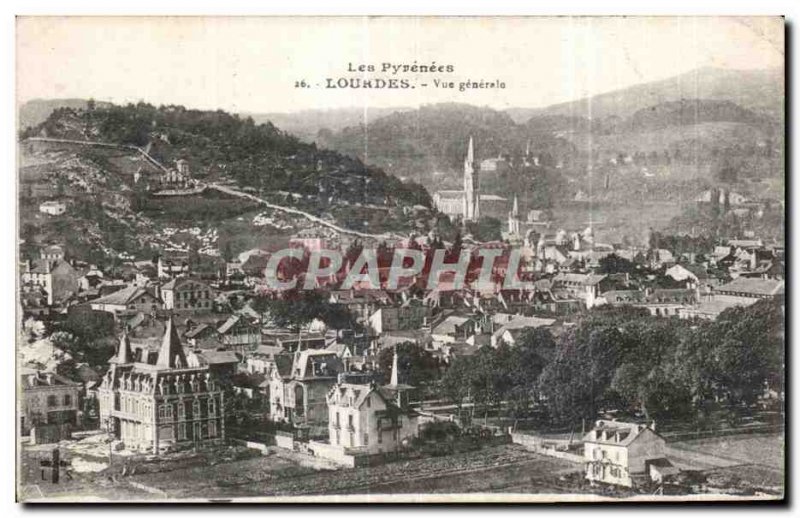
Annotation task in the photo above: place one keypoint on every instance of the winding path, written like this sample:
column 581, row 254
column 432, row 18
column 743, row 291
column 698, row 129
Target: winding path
column 221, row 188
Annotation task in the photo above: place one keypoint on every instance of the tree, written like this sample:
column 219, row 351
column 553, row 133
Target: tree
column 576, row 382
column 644, row 379
column 417, row 366
column 299, row 308
column 613, row 263
column 749, row 350
column 456, row 381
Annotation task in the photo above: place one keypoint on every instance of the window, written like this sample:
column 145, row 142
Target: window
column 366, row 439
column 162, row 411
column 212, row 428
column 181, row 410
column 67, row 400
column 196, row 409
column 182, row 431
column 380, row 437
column 52, row 401
column 212, row 407
column 350, row 421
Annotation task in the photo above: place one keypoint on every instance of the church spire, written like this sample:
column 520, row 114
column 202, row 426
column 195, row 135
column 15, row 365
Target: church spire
column 171, row 353
column 394, row 380
column 471, row 185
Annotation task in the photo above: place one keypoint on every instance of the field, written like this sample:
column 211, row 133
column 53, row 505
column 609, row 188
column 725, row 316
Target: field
column 755, row 461
column 498, row 468
column 611, row 221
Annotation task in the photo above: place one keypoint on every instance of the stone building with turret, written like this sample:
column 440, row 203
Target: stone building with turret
column 156, row 402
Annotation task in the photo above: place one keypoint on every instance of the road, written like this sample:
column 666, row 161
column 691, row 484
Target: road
column 288, row 210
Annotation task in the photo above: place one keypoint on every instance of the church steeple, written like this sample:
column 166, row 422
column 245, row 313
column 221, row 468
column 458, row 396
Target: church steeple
column 513, row 218
column 471, row 185
column 171, row 354
column 394, row 379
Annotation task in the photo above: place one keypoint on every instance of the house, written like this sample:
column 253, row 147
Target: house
column 452, row 328
column 52, row 253
column 746, row 291
column 172, row 264
column 364, row 418
column 692, row 274
column 510, row 331
column 53, row 208
column 583, row 286
column 56, row 277
column 185, row 294
column 160, row 401
column 201, row 334
column 131, row 299
column 46, row 399
column 402, row 318
column 262, row 359
column 239, row 332
column 668, row 302
column 300, row 397
column 622, row 453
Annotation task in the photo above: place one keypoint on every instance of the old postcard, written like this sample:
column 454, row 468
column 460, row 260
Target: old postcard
column 400, row 259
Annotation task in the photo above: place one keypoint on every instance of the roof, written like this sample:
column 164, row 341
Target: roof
column 746, row 243
column 316, row 363
column 197, row 330
column 283, row 364
column 34, row 378
column 123, row 297
column 171, row 350
column 584, row 279
column 671, row 296
column 519, row 323
column 712, row 307
column 216, row 357
column 624, row 296
column 617, row 433
column 448, row 325
column 269, row 351
column 753, row 287
column 228, row 324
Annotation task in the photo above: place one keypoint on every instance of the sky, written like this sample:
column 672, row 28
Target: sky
column 252, row 64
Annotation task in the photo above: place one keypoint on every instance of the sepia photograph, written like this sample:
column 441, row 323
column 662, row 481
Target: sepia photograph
column 445, row 259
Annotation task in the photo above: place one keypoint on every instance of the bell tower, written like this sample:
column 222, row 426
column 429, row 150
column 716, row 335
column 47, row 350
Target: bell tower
column 471, row 186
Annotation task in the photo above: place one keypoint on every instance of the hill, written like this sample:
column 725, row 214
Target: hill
column 114, row 215
column 225, row 147
column 307, row 124
column 761, row 91
column 36, row 111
